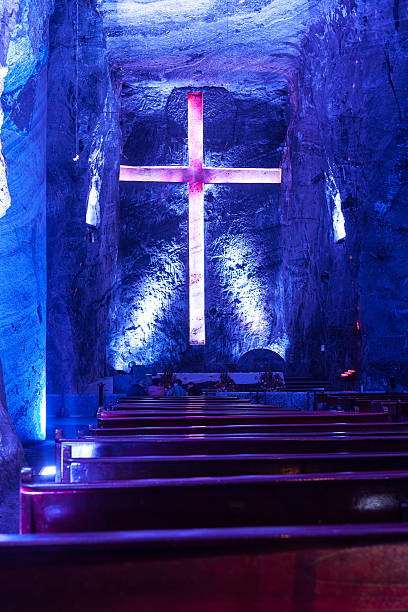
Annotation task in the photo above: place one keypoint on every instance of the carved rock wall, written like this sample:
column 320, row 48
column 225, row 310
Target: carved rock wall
column 347, row 148
column 321, row 262
column 23, row 57
column 83, row 156
column 11, row 450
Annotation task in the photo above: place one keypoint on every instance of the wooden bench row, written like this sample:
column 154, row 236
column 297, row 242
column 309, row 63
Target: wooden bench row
column 234, row 501
column 187, row 401
column 191, row 466
column 223, row 418
column 320, row 568
column 192, row 406
column 145, row 446
column 109, row 427
column 362, row 401
column 210, row 399
column 249, row 516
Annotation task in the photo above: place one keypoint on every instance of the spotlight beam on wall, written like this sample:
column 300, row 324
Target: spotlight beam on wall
column 195, row 174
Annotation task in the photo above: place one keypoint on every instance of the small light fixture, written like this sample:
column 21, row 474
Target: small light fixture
column 48, row 470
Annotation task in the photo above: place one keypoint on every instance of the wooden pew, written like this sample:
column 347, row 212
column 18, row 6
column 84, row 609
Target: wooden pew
column 395, row 404
column 260, row 428
column 129, row 411
column 179, row 406
column 183, row 398
column 234, row 501
column 200, row 399
column 209, row 413
column 320, row 568
column 188, row 466
column 130, row 446
column 183, row 401
column 349, row 399
column 201, row 412
column 106, row 420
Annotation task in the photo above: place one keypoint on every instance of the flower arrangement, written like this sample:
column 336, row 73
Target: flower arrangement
column 270, row 381
column 225, row 383
column 167, row 379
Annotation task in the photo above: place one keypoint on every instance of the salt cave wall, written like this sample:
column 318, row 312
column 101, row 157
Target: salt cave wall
column 341, row 209
column 251, row 54
column 23, row 59
column 348, row 150
column 81, row 258
column 330, row 262
column 11, row 449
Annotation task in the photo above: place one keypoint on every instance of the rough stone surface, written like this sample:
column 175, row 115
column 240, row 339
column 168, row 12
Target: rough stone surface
column 350, row 133
column 9, row 511
column 81, row 259
column 24, row 45
column 7, row 23
column 316, row 86
column 11, row 450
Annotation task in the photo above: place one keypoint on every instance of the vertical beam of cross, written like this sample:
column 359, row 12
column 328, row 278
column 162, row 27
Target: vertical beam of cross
column 195, row 174
column 196, row 220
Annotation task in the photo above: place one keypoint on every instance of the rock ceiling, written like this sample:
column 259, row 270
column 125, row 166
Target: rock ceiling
column 219, row 42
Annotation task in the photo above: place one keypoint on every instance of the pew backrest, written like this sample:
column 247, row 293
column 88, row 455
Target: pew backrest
column 251, row 428
column 187, row 503
column 188, row 418
column 268, row 568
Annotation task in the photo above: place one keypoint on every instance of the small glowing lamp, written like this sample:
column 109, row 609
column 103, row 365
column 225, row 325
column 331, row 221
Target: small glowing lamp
column 48, row 470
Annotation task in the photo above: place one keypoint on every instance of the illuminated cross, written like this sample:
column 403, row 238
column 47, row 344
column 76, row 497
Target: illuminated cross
column 195, row 174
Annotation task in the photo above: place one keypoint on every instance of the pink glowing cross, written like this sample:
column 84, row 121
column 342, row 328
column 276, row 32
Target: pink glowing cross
column 195, row 174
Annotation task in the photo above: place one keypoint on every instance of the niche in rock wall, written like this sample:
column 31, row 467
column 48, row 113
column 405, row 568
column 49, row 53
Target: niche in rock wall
column 260, row 360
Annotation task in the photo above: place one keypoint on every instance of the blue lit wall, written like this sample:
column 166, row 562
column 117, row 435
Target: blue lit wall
column 320, row 260
column 323, row 261
column 80, row 189
column 348, row 151
column 23, row 225
column 318, row 87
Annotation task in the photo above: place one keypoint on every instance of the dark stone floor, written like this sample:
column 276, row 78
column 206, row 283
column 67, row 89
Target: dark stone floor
column 38, row 455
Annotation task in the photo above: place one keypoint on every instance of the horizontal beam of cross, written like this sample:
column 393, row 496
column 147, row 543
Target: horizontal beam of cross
column 186, row 174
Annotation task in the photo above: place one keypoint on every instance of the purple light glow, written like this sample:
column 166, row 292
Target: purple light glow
column 196, row 175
